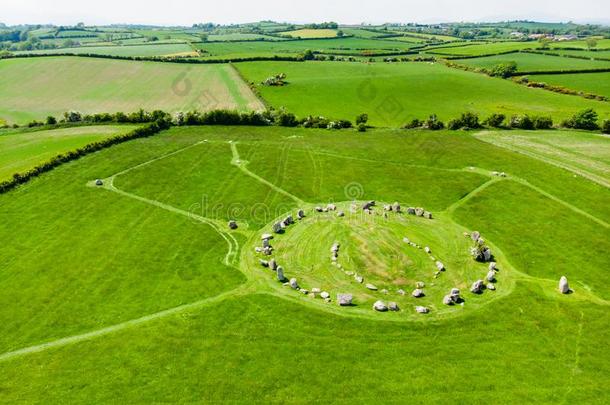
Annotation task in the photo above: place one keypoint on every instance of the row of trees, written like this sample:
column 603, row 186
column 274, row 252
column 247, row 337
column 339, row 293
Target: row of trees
column 586, row 120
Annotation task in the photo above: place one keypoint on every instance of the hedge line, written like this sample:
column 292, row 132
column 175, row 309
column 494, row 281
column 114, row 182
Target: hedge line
column 160, row 58
column 22, row 178
column 535, row 51
column 560, row 72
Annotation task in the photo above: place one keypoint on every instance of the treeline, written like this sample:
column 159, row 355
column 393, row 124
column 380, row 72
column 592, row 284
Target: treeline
column 585, row 120
column 142, row 132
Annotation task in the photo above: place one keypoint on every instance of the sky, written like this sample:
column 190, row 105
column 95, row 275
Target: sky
column 187, row 12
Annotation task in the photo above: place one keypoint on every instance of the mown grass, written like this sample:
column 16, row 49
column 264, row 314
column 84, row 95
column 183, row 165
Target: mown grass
column 86, row 258
column 393, row 94
column 126, row 50
column 21, row 150
column 529, row 62
column 91, row 85
column 311, row 33
column 524, row 348
column 596, row 83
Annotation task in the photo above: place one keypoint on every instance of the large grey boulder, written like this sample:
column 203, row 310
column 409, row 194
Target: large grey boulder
column 280, row 274
column 422, row 310
column 380, row 306
column 564, row 287
column 418, row 293
column 99, row 182
column 487, row 255
column 411, row 211
column 477, row 287
column 491, row 276
column 277, row 227
column 344, row 300
column 294, row 284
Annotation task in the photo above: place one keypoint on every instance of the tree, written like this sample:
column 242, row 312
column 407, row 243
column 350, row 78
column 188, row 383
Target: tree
column 340, row 33
column 51, row 120
column 308, row 55
column 544, row 42
column 606, row 127
column 495, row 120
column 591, row 43
column 585, row 119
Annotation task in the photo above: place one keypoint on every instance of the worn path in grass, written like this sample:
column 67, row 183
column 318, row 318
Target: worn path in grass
column 254, row 284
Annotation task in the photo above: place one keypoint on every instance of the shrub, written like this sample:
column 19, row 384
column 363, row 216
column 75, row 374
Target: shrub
column 414, row 124
column 521, row 122
column 286, row 119
column 433, row 123
column 73, row 116
column 586, row 119
column 362, row 119
column 315, row 122
column 277, row 80
column 362, row 127
column 51, row 120
column 34, row 124
column 467, row 120
column 606, row 127
column 504, row 69
column 543, row 122
column 495, row 120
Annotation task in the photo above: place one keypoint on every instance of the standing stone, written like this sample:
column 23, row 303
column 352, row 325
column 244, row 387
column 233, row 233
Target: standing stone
column 266, row 236
column 406, row 240
column 491, row 287
column 422, row 310
column 294, row 284
column 418, row 293
column 564, row 287
column 455, row 295
column 491, row 276
column 316, row 290
column 371, row 287
column 427, row 215
column 477, row 287
column 387, row 208
column 289, row 220
column 99, row 182
column 325, row 295
column 359, row 279
column 420, row 284
column 411, row 211
column 448, row 300
column 331, row 207
column 380, row 306
column 492, row 266
column 392, row 306
column 266, row 243
column 273, row 264
column 340, row 214
column 396, row 207
column 427, row 250
column 319, row 209
column 264, row 263
column 475, row 236
column 440, row 266
column 277, row 227
column 280, row 274
column 344, row 300
column 419, row 212
column 232, row 224
column 401, row 292
column 487, row 254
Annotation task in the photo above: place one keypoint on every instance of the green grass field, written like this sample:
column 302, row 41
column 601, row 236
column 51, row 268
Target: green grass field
column 483, row 49
column 393, row 94
column 161, row 302
column 531, row 62
column 126, row 50
column 248, row 49
column 28, row 91
column 21, row 150
column 596, row 83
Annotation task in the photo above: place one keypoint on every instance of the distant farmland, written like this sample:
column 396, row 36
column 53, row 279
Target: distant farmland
column 126, row 50
column 527, row 62
column 90, row 85
column 392, row 94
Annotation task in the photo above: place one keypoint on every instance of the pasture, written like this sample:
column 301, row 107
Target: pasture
column 91, row 85
column 393, row 94
column 21, row 150
column 166, row 292
column 596, row 83
column 482, row 49
column 531, row 62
